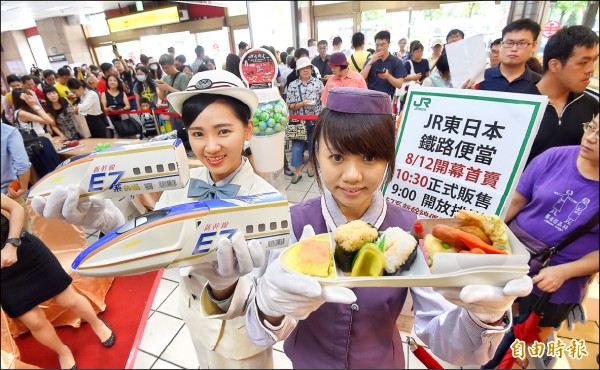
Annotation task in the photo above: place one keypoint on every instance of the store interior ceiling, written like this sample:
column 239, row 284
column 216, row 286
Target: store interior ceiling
column 20, row 15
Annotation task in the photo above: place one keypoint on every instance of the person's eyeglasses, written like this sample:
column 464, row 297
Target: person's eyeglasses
column 589, row 128
column 520, row 44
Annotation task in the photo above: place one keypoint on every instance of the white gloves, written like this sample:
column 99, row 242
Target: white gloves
column 488, row 303
column 89, row 212
column 280, row 293
column 235, row 258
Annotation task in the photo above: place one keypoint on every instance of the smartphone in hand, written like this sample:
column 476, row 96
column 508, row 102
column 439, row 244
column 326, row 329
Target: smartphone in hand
column 378, row 71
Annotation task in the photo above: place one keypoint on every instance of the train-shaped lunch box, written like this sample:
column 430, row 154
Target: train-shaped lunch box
column 120, row 171
column 186, row 234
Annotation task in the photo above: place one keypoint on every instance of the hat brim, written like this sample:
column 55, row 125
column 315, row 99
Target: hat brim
column 242, row 94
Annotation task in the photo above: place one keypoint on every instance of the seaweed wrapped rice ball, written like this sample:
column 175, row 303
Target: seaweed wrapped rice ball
column 349, row 238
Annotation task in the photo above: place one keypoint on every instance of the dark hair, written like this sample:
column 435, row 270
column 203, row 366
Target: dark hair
column 232, row 64
column 534, row 65
column 371, row 50
column 300, row 52
column 199, row 50
column 119, row 83
column 19, row 103
column 202, row 68
column 442, row 64
column 74, row 84
column 195, row 105
column 105, row 67
column 336, row 41
column 454, row 32
column 351, row 133
column 181, row 58
column 283, row 56
column 49, row 106
column 358, row 39
column 242, row 45
column 143, row 59
column 404, row 38
column 183, row 66
column 496, row 42
column 382, row 35
column 24, row 78
column 289, row 49
column 144, row 101
column 561, row 45
column 63, row 71
column 416, row 45
column 138, row 87
column 170, row 48
column 12, row 78
column 93, row 67
column 322, row 42
column 310, row 41
column 523, row 24
column 48, row 72
column 209, row 60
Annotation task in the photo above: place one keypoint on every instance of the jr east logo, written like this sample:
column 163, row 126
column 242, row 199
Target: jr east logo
column 422, row 104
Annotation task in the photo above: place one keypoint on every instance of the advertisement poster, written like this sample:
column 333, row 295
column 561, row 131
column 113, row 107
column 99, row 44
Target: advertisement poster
column 462, row 149
column 258, row 68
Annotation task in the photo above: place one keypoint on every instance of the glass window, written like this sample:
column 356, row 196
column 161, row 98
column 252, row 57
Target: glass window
column 39, row 52
column 156, row 45
column 96, row 24
column 284, row 224
column 276, row 30
column 242, row 34
column 236, row 8
column 249, row 229
column 160, row 168
column 104, row 54
column 148, row 169
column 560, row 14
column 327, row 29
column 171, row 166
column 216, row 45
column 261, row 228
column 273, row 226
column 130, row 50
column 136, row 171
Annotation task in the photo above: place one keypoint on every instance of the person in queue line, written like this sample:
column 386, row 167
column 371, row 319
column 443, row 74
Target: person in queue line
column 29, row 115
column 210, row 63
column 535, row 66
column 217, row 118
column 454, row 35
column 321, row 62
column 232, row 64
column 145, row 87
column 31, row 275
column 30, row 86
column 107, row 70
column 90, row 107
column 437, row 46
column 357, row 59
column 494, row 54
column 342, row 75
column 49, row 77
column 155, row 70
column 114, row 98
column 187, row 70
column 92, row 82
column 95, row 71
column 402, row 50
column 335, row 327
column 179, row 61
column 383, row 71
column 513, row 74
column 570, row 57
column 243, row 47
column 62, row 112
column 571, row 172
column 440, row 76
column 63, row 75
column 417, row 67
column 174, row 81
column 14, row 82
column 199, row 51
column 303, row 98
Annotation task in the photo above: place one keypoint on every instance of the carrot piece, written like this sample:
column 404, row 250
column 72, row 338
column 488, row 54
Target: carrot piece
column 471, row 241
column 477, row 251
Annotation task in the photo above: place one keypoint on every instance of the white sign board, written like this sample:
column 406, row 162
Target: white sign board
column 466, row 59
column 462, row 149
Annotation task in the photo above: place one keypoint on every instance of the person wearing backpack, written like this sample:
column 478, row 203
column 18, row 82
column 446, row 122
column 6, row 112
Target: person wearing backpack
column 174, row 81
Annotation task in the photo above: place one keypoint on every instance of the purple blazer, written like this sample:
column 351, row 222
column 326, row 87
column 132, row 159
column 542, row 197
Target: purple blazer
column 361, row 335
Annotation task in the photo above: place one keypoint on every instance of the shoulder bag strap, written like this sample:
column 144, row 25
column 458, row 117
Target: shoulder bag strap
column 173, row 80
column 412, row 66
column 354, row 62
column 300, row 93
column 579, row 232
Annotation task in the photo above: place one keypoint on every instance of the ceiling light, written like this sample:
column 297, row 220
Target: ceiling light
column 58, row 8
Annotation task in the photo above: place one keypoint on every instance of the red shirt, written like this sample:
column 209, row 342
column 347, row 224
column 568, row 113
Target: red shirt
column 101, row 87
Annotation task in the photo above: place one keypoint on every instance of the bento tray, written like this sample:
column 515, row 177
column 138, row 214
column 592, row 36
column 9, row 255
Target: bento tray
column 419, row 275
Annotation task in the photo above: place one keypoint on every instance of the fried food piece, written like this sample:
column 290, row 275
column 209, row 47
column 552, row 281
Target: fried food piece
column 477, row 231
column 492, row 225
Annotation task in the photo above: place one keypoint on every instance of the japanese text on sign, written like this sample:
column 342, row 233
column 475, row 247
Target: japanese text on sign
column 462, row 150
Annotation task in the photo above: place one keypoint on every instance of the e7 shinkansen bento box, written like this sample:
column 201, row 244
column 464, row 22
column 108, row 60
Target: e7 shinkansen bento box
column 186, row 234
column 120, row 171
column 446, row 268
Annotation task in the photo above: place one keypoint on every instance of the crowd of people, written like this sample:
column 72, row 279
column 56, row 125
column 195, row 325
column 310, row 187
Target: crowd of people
column 238, row 306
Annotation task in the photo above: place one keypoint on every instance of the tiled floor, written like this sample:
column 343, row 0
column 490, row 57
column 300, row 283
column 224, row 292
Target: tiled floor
column 166, row 343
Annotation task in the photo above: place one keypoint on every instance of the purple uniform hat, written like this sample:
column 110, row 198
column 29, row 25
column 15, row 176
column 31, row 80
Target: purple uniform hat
column 355, row 100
